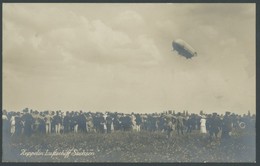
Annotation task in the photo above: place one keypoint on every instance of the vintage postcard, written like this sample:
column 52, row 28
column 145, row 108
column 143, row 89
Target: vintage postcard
column 129, row 82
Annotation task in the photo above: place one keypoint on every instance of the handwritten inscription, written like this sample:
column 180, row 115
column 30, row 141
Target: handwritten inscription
column 56, row 153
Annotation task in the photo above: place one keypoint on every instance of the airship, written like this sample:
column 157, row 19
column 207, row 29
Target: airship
column 183, row 49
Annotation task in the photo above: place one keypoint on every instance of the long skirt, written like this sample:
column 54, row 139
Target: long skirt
column 203, row 129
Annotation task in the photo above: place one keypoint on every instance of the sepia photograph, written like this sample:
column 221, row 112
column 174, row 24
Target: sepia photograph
column 129, row 82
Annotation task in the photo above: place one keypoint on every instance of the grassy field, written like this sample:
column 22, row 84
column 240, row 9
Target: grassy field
column 131, row 147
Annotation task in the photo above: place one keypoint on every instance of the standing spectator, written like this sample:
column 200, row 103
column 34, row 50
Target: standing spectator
column 180, row 124
column 104, row 127
column 57, row 122
column 71, row 121
column 153, row 125
column 96, row 122
column 82, row 122
column 162, row 123
column 126, row 122
column 213, row 125
column 28, row 122
column 103, row 123
column 12, row 123
column 52, row 122
column 90, row 126
column 6, row 125
column 6, row 129
column 134, row 128
column 36, row 121
column 203, row 125
column 209, row 122
column 138, row 121
column 144, row 125
column 112, row 125
column 170, row 128
column 109, row 123
column 253, row 122
column 116, row 123
column 226, row 126
column 18, row 124
column 122, row 122
column 66, row 122
column 48, row 122
column 197, row 122
column 189, row 124
column 149, row 122
column 76, row 122
column 235, row 121
column 42, row 124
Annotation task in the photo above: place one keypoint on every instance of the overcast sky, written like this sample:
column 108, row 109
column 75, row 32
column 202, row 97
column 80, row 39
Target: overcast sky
column 117, row 57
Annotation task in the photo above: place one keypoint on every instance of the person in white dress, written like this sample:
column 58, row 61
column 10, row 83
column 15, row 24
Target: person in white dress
column 203, row 125
column 48, row 120
column 134, row 127
column 12, row 121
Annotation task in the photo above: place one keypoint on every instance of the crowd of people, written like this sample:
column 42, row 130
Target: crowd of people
column 28, row 122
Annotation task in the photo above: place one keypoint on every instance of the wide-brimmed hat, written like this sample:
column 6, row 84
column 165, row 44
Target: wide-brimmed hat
column 228, row 113
column 25, row 110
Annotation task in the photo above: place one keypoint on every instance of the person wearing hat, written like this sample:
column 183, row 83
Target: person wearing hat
column 116, row 122
column 169, row 128
column 57, row 122
column 214, row 125
column 209, row 123
column 226, row 126
column 42, row 124
column 180, row 123
column 28, row 122
column 138, row 121
column 48, row 122
column 109, row 123
column 82, row 122
column 95, row 119
column 90, row 125
column 12, row 122
column 71, row 121
column 189, row 123
column 75, row 120
column 18, row 124
column 36, row 123
column 203, row 124
column 103, row 123
column 66, row 122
